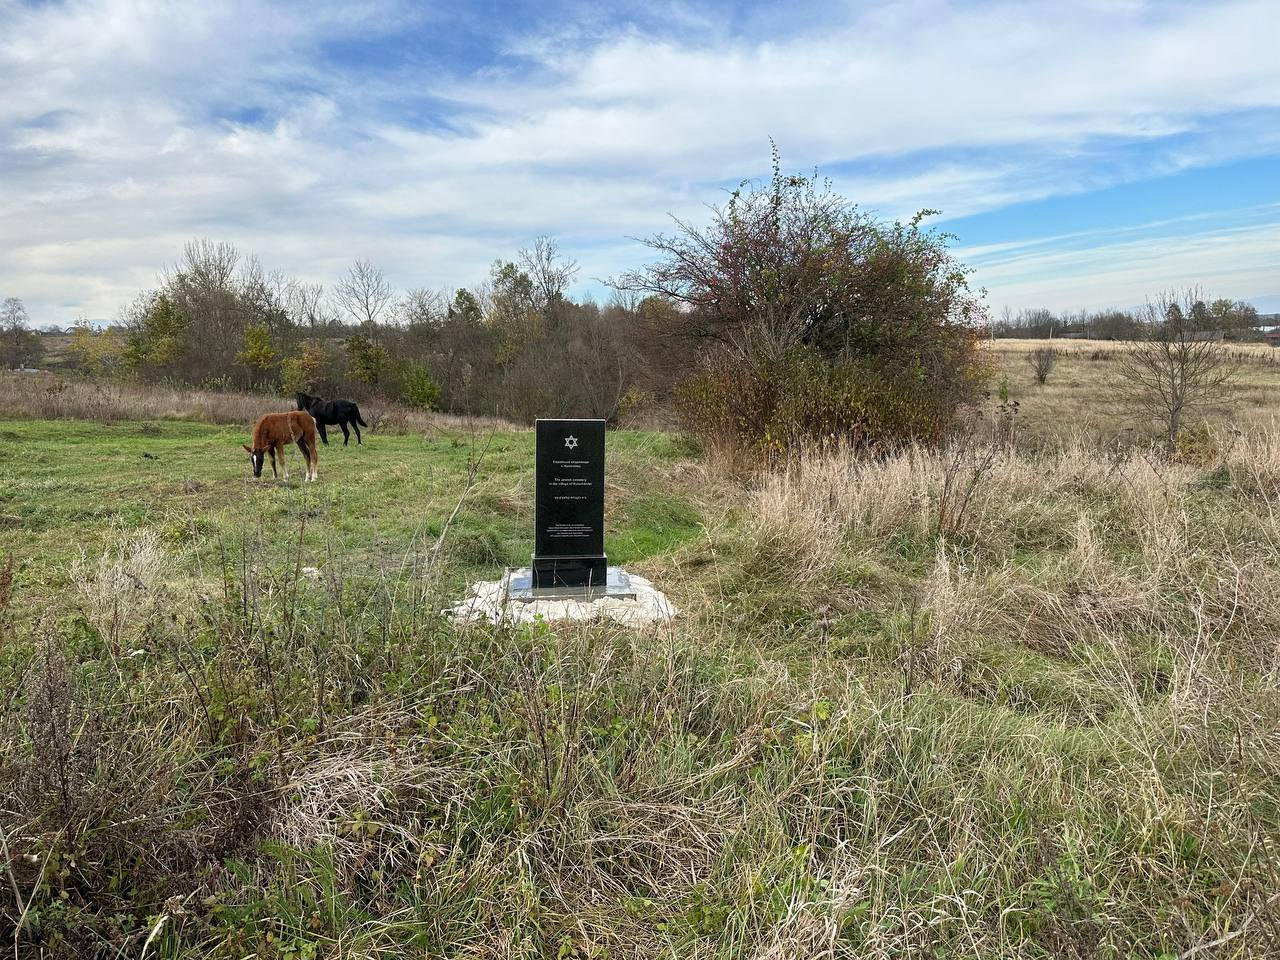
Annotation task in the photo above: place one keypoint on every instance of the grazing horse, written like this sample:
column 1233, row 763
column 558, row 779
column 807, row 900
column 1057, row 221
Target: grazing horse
column 333, row 412
column 273, row 431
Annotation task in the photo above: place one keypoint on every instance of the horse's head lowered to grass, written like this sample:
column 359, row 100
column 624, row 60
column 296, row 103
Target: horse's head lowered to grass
column 256, row 457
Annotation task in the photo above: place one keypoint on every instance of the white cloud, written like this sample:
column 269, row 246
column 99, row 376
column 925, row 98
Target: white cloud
column 1115, row 272
column 118, row 137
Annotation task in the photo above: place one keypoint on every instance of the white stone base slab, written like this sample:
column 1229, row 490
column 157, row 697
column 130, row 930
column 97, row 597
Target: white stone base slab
column 489, row 600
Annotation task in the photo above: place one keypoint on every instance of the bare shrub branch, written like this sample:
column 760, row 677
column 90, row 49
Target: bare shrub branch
column 1176, row 366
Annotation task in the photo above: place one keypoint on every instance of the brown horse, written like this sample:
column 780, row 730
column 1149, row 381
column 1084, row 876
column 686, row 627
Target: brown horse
column 273, row 431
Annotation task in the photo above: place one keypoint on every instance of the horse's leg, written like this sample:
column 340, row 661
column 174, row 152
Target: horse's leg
column 356, row 427
column 272, row 450
column 346, row 434
column 315, row 461
column 283, row 467
column 308, row 456
column 323, row 436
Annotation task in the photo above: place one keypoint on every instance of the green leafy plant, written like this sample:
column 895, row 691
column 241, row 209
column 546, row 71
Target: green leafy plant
column 417, row 387
column 367, row 361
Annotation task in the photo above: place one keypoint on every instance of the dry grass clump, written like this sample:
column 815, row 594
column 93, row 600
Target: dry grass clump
column 1149, row 581
column 125, row 586
column 1123, row 530
column 818, row 501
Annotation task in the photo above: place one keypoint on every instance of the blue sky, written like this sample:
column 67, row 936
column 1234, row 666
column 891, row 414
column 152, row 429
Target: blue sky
column 1085, row 155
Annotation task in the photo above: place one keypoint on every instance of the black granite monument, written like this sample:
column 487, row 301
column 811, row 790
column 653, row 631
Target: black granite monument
column 568, row 547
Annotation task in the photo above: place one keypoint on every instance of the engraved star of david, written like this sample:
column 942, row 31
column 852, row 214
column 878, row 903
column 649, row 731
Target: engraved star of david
column 571, row 442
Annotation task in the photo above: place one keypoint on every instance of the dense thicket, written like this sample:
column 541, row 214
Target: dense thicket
column 516, row 346
column 812, row 321
column 790, row 318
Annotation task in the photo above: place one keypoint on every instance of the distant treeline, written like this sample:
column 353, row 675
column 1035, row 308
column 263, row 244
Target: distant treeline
column 1235, row 319
column 516, row 345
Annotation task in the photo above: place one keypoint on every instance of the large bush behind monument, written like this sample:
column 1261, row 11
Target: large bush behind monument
column 813, row 321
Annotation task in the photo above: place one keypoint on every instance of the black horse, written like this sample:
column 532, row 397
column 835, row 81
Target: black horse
column 333, row 413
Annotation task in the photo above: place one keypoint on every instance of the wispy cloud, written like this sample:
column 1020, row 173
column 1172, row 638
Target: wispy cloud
column 1124, row 271
column 432, row 141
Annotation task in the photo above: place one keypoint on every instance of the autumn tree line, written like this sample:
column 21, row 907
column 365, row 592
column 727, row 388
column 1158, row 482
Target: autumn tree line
column 1234, row 319
column 516, row 345
column 790, row 318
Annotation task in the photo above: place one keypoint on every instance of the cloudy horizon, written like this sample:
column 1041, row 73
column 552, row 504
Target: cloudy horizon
column 1084, row 157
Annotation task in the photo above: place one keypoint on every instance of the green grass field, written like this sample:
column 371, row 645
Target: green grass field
column 72, row 485
column 1042, row 726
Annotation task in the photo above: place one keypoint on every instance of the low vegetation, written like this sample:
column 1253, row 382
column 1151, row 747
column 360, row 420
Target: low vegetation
column 1175, row 369
column 1042, row 360
column 996, row 699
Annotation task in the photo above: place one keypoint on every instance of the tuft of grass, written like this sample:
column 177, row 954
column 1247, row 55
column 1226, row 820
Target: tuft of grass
column 653, row 524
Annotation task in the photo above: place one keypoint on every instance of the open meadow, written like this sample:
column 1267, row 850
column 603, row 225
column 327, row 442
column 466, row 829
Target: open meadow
column 1015, row 699
column 1079, row 397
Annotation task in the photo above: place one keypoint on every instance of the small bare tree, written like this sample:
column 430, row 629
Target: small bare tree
column 1176, row 365
column 19, row 345
column 1042, row 360
column 305, row 303
column 550, row 272
column 421, row 309
column 364, row 293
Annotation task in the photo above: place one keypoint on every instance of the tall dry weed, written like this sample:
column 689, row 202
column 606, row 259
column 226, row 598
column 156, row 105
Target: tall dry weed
column 820, row 500
column 124, row 586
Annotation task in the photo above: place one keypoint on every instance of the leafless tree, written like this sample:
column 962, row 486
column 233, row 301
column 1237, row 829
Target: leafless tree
column 204, row 288
column 1042, row 360
column 1176, row 365
column 19, row 345
column 364, row 293
column 305, row 304
column 208, row 265
column 550, row 272
column 422, row 309
column 13, row 314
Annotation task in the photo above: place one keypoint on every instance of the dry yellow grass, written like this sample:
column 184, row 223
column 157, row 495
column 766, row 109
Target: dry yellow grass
column 48, row 396
column 1079, row 397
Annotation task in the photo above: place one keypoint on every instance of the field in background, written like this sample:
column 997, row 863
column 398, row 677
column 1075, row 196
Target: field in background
column 1079, row 397
column 927, row 705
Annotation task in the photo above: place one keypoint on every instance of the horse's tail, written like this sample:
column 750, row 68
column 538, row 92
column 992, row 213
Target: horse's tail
column 359, row 419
